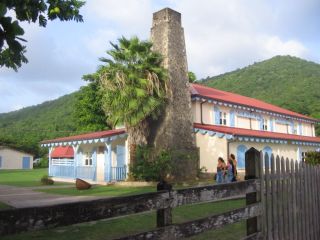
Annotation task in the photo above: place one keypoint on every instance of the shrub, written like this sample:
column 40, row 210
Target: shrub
column 43, row 163
column 313, row 158
column 151, row 167
column 46, row 180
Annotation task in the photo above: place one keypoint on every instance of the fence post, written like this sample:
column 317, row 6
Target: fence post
column 253, row 172
column 164, row 216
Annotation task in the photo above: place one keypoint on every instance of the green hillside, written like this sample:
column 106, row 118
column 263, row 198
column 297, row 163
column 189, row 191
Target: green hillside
column 286, row 81
column 24, row 129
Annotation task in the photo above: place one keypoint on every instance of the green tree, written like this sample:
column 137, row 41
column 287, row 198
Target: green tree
column 192, row 77
column 88, row 114
column 133, row 85
column 11, row 50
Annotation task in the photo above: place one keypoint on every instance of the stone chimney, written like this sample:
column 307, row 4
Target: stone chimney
column 174, row 129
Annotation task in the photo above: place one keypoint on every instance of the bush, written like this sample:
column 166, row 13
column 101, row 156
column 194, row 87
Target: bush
column 151, row 167
column 313, row 158
column 46, row 180
column 44, row 163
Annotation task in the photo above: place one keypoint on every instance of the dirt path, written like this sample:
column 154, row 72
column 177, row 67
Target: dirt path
column 21, row 197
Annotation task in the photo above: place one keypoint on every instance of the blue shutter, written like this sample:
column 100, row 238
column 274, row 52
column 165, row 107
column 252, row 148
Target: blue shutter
column 292, row 127
column 216, row 115
column 261, row 123
column 0, row 162
column 232, row 121
column 271, row 124
column 241, row 150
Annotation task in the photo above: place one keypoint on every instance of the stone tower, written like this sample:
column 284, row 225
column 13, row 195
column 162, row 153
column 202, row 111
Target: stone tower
column 174, row 129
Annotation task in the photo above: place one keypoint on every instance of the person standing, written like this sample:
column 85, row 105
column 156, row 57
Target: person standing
column 233, row 158
column 230, row 171
column 220, row 170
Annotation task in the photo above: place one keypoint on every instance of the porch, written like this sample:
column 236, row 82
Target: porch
column 98, row 159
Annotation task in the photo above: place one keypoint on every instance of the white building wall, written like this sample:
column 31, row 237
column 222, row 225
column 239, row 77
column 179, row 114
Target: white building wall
column 281, row 125
column 211, row 147
column 12, row 159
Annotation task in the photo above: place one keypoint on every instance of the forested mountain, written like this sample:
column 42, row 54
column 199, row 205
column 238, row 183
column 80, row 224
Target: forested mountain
column 25, row 128
column 286, row 81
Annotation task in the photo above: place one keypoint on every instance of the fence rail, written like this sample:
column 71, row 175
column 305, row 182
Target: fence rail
column 19, row 220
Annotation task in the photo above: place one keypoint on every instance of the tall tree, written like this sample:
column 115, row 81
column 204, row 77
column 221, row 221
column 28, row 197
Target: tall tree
column 133, row 86
column 89, row 115
column 11, row 50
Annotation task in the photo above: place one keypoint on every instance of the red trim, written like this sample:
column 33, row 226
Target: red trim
column 233, row 98
column 87, row 136
column 63, row 152
column 255, row 133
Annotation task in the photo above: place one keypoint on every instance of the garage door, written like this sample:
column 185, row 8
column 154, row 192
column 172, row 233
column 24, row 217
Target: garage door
column 26, row 162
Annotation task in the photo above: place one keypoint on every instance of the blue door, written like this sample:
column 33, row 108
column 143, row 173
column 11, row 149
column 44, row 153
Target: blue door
column 26, row 162
column 241, row 155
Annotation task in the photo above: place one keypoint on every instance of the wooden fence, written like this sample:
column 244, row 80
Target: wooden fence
column 282, row 202
column 291, row 199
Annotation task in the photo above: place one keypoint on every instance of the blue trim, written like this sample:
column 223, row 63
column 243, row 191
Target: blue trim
column 267, row 150
column 246, row 114
column 232, row 118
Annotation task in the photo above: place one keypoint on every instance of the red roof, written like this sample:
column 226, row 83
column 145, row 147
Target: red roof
column 87, row 136
column 228, row 97
column 255, row 133
column 62, row 152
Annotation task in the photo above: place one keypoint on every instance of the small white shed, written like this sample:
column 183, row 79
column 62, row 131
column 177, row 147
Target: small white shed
column 15, row 159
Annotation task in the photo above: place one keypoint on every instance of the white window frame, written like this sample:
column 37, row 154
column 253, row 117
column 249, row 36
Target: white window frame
column 265, row 124
column 303, row 156
column 223, row 118
column 88, row 159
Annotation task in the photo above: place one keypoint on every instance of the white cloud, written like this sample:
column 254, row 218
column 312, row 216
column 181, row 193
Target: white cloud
column 220, row 36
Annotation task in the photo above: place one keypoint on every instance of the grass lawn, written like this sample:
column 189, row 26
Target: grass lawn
column 109, row 229
column 23, row 178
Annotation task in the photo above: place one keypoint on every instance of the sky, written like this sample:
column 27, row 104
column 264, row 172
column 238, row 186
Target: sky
column 221, row 36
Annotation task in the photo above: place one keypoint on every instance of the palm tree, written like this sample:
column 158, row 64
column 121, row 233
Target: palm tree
column 134, row 88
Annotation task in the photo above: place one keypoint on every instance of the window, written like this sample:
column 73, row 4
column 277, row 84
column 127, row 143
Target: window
column 223, row 118
column 303, row 156
column 295, row 129
column 264, row 124
column 88, row 159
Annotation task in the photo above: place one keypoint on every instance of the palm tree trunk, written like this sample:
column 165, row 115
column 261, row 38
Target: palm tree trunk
column 137, row 136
